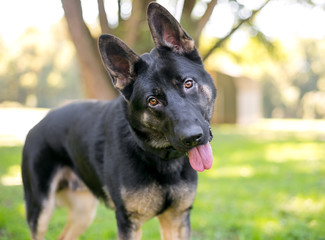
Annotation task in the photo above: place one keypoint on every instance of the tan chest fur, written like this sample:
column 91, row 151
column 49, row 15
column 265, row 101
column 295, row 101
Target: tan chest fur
column 143, row 204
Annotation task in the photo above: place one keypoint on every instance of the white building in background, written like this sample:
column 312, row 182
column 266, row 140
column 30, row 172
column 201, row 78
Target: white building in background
column 239, row 99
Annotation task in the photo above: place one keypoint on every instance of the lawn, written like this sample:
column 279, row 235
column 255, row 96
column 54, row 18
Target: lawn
column 264, row 184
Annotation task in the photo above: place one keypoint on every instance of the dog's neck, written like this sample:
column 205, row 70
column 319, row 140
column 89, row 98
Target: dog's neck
column 167, row 153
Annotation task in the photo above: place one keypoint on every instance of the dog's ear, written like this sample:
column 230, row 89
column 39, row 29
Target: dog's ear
column 119, row 60
column 166, row 31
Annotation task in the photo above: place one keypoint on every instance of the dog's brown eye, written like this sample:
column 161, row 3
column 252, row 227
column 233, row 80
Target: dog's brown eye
column 153, row 101
column 188, row 83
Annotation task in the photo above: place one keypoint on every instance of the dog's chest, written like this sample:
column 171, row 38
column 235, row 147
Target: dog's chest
column 145, row 203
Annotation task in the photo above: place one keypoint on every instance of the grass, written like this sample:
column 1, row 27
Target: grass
column 263, row 185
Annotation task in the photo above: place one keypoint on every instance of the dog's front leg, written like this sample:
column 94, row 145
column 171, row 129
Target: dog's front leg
column 128, row 228
column 175, row 225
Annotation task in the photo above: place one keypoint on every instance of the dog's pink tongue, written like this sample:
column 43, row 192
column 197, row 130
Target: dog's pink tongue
column 201, row 157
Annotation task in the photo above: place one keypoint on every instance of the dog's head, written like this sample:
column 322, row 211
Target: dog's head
column 169, row 94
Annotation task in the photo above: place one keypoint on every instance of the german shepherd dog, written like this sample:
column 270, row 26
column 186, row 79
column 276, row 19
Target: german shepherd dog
column 139, row 154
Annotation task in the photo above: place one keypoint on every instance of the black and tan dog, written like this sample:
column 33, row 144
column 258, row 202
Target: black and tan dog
column 139, row 153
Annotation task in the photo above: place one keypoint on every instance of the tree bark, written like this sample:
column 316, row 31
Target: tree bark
column 95, row 80
column 187, row 22
column 133, row 24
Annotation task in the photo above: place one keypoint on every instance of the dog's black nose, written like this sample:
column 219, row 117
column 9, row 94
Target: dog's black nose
column 192, row 138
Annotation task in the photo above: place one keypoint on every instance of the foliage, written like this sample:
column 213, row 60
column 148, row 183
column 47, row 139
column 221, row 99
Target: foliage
column 39, row 69
column 290, row 72
column 298, row 84
column 263, row 185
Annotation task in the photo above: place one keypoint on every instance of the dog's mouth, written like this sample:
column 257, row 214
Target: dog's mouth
column 201, row 157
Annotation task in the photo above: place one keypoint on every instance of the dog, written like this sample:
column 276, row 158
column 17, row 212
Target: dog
column 139, row 153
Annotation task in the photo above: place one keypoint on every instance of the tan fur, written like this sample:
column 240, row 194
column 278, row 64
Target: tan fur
column 207, row 91
column 44, row 219
column 146, row 203
column 143, row 204
column 184, row 194
column 47, row 208
column 173, row 223
column 188, row 44
column 76, row 196
column 81, row 212
column 136, row 234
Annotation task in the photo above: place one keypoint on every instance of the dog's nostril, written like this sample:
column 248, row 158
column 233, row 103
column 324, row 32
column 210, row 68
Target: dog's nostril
column 198, row 137
column 192, row 140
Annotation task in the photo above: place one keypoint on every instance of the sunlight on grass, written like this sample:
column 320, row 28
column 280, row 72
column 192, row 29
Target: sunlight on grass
column 269, row 226
column 12, row 177
column 301, row 205
column 232, row 172
column 21, row 209
column 294, row 152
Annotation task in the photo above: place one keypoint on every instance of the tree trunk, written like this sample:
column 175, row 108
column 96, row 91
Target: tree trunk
column 134, row 23
column 187, row 22
column 96, row 81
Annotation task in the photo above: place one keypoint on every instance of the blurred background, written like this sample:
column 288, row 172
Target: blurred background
column 265, row 56
column 267, row 60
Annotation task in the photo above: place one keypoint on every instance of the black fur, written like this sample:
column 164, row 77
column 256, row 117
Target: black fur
column 126, row 143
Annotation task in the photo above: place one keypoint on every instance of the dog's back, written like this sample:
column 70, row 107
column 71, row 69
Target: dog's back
column 79, row 126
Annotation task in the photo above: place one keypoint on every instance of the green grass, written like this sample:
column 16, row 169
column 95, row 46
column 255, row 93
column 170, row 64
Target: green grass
column 263, row 185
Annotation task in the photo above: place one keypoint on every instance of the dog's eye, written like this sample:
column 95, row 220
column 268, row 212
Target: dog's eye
column 188, row 83
column 152, row 101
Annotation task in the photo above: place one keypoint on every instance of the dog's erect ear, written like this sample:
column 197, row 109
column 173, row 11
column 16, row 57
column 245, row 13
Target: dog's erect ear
column 166, row 31
column 118, row 59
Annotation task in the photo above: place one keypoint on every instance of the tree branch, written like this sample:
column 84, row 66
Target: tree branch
column 234, row 29
column 188, row 7
column 205, row 18
column 119, row 10
column 103, row 17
